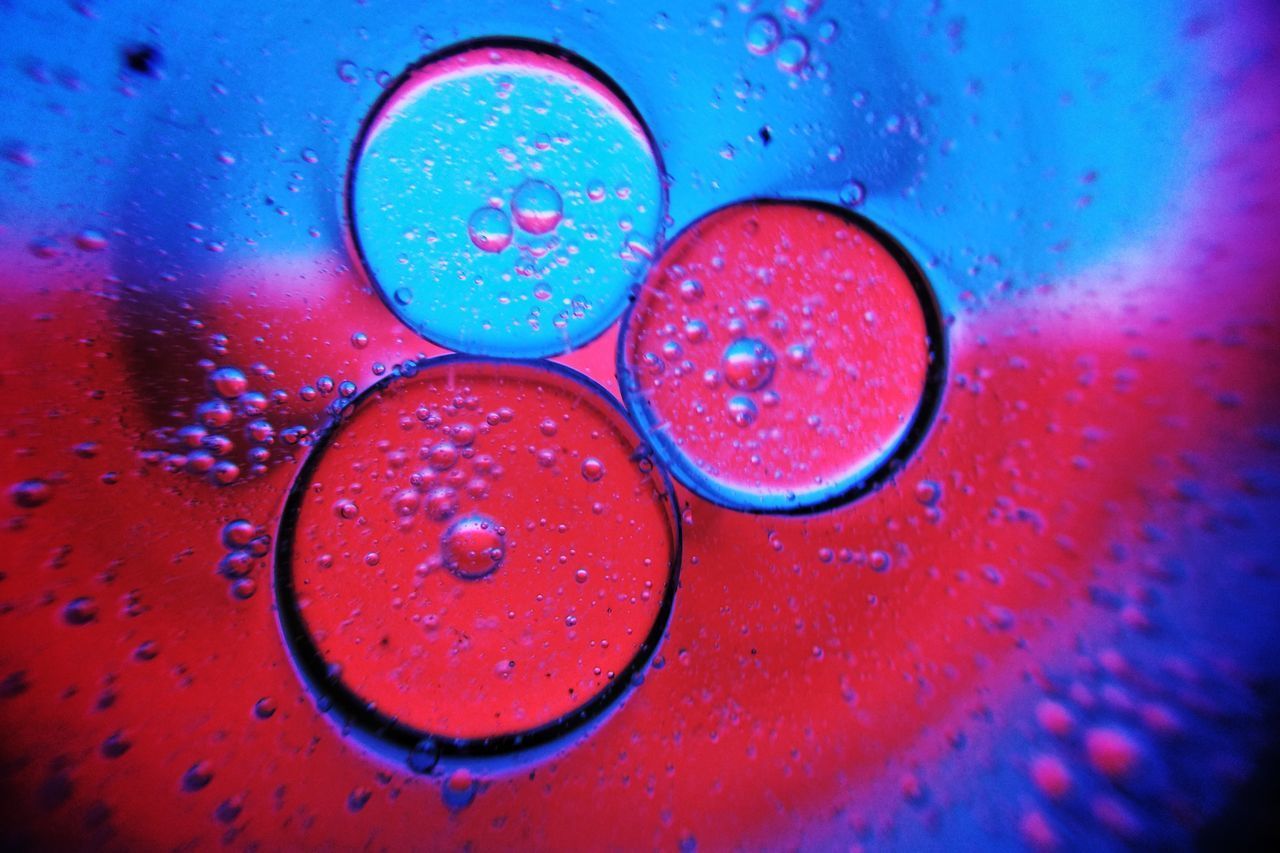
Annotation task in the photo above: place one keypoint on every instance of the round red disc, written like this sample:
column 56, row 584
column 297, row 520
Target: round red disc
column 782, row 356
column 476, row 555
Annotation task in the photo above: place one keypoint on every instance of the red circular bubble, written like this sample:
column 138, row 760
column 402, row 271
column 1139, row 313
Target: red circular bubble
column 477, row 554
column 781, row 356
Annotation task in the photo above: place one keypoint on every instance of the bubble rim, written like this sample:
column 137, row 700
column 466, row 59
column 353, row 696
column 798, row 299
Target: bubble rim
column 837, row 494
column 350, row 229
column 383, row 730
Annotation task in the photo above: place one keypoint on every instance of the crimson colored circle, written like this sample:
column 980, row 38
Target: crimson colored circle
column 478, row 555
column 782, row 356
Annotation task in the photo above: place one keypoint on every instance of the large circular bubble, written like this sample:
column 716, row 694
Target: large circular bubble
column 504, row 200
column 781, row 357
column 478, row 556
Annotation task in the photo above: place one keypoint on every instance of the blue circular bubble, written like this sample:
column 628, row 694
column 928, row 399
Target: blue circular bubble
column 505, row 200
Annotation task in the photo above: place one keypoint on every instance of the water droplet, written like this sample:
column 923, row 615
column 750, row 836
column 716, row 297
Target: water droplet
column 592, row 469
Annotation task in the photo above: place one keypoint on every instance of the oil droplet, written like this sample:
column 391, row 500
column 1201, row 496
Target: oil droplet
column 228, row 383
column 691, row 290
column 742, row 410
column 592, row 469
column 30, row 494
column 91, row 240
column 489, row 229
column 763, row 33
column 197, row 777
column 424, row 756
column 853, row 193
column 792, row 54
column 460, row 790
column 473, row 547
column 537, row 207
column 1112, row 752
column 80, row 611
column 800, row 10
column 748, row 364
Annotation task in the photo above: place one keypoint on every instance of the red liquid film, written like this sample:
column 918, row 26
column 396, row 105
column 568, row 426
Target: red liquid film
column 778, row 355
column 479, row 551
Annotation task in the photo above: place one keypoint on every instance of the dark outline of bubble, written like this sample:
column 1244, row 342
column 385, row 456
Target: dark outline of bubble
column 836, row 495
column 385, row 731
column 498, row 43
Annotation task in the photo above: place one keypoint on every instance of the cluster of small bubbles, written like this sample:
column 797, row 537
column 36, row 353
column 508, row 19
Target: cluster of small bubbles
column 246, row 544
column 236, row 419
column 765, row 36
column 536, row 208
